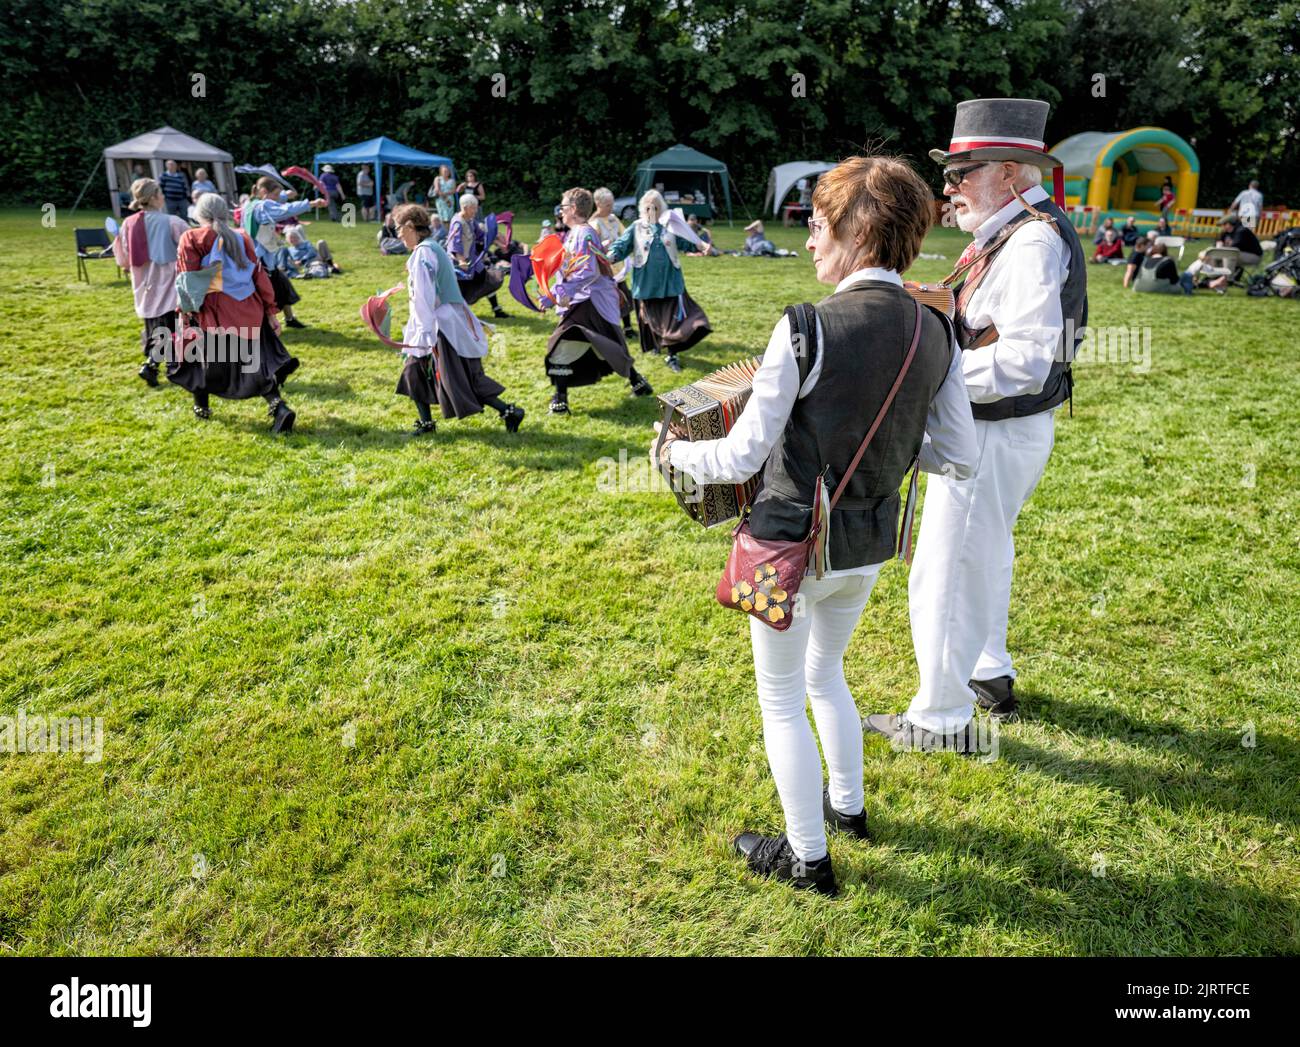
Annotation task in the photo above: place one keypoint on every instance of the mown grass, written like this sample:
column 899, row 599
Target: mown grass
column 553, row 727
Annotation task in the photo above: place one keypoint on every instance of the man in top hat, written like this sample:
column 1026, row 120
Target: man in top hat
column 1021, row 308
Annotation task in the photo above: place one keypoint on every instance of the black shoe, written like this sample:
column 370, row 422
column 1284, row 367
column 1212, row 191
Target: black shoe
column 998, row 697
column 853, row 824
column 559, row 404
column 628, row 333
column 641, row 387
column 422, row 427
column 500, row 313
column 674, row 364
column 772, row 856
column 905, row 736
column 149, row 372
column 295, row 322
column 281, row 416
column 513, row 415
column 202, row 412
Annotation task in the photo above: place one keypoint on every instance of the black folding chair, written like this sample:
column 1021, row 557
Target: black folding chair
column 91, row 244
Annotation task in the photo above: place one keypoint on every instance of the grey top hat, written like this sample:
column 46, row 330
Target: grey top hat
column 999, row 129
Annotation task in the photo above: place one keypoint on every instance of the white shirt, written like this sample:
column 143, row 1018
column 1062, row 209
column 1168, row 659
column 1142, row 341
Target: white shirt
column 428, row 316
column 1248, row 201
column 948, row 446
column 1021, row 296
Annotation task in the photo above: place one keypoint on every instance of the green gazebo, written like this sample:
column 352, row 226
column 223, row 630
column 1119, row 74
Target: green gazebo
column 687, row 172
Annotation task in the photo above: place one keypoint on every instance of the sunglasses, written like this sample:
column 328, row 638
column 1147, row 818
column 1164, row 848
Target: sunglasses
column 957, row 175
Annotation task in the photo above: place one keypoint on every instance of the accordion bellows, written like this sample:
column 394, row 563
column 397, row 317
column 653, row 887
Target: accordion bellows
column 706, row 410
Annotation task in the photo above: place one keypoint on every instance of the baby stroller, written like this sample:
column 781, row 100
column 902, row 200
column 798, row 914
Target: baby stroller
column 1280, row 277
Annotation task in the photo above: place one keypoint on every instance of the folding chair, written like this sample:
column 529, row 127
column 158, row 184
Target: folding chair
column 91, row 243
column 1171, row 242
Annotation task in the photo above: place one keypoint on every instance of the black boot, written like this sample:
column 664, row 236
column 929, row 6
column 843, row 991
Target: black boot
column 422, row 427
column 851, row 824
column 998, row 696
column 149, row 372
column 772, row 856
column 282, row 417
column 640, row 387
column 512, row 416
column 674, row 364
column 560, row 402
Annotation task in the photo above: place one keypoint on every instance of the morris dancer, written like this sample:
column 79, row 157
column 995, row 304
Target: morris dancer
column 467, row 244
column 667, row 316
column 445, row 343
column 808, row 415
column 1021, row 309
column 146, row 245
column 229, row 331
column 588, row 343
column 260, row 214
column 609, row 228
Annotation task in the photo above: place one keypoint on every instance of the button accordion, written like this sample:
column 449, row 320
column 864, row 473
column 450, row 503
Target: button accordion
column 708, row 408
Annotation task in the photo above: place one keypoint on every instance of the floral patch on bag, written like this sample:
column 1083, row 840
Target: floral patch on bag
column 765, row 596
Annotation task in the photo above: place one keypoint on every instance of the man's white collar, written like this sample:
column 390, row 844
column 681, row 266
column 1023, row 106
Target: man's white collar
column 1035, row 194
column 870, row 273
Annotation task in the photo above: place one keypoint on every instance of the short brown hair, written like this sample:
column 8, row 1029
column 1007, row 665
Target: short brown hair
column 583, row 202
column 880, row 202
column 414, row 215
column 268, row 183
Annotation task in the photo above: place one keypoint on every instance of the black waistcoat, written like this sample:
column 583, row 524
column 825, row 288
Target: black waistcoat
column 865, row 333
column 1074, row 312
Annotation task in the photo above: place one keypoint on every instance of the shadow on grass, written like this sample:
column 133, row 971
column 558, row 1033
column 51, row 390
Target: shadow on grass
column 1032, row 885
column 1214, row 768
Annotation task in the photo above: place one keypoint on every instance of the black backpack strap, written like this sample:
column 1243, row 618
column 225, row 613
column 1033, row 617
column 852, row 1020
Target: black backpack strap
column 803, row 337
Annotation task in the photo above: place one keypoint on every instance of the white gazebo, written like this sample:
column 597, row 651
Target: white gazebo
column 150, row 152
column 784, row 176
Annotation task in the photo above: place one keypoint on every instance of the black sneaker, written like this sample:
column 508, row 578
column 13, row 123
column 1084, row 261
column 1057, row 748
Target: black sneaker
column 559, row 404
column 641, row 387
column 202, row 412
column 282, row 417
column 512, row 416
column 852, row 824
column 149, row 372
column 905, row 736
column 772, row 856
column 998, row 698
column 422, row 427
column 295, row 322
column 500, row 313
column 674, row 364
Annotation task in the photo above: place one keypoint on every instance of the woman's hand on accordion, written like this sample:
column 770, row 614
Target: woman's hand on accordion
column 662, row 461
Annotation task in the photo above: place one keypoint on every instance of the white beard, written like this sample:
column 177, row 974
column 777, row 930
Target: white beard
column 973, row 216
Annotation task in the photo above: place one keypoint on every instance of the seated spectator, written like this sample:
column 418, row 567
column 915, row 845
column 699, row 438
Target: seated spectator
column 1157, row 273
column 300, row 258
column 1135, row 259
column 756, row 243
column 699, row 229
column 389, row 241
column 1108, row 224
column 1129, row 233
column 1163, row 228
column 438, row 229
column 1111, row 248
column 1231, row 234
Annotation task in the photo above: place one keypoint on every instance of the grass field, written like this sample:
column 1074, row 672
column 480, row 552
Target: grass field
column 369, row 694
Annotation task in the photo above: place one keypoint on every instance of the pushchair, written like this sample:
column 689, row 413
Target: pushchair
column 1280, row 277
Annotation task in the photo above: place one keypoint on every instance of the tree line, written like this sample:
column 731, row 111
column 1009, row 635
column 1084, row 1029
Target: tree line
column 539, row 96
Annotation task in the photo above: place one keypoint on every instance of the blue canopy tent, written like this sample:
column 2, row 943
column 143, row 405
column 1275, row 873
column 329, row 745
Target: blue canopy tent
column 377, row 152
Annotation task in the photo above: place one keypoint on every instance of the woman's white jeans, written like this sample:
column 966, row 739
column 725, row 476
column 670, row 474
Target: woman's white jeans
column 807, row 662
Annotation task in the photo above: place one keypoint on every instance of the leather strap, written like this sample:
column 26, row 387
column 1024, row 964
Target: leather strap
column 884, row 407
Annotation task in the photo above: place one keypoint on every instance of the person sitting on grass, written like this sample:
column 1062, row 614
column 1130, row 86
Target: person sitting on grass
column 1157, row 273
column 698, row 228
column 756, row 243
column 1129, row 234
column 1111, row 248
column 1135, row 259
column 1108, row 224
column 300, row 258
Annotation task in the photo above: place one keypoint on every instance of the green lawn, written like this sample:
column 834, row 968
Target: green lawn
column 553, row 727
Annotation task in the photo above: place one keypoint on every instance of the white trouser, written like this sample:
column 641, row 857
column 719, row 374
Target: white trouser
column 806, row 662
column 960, row 587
